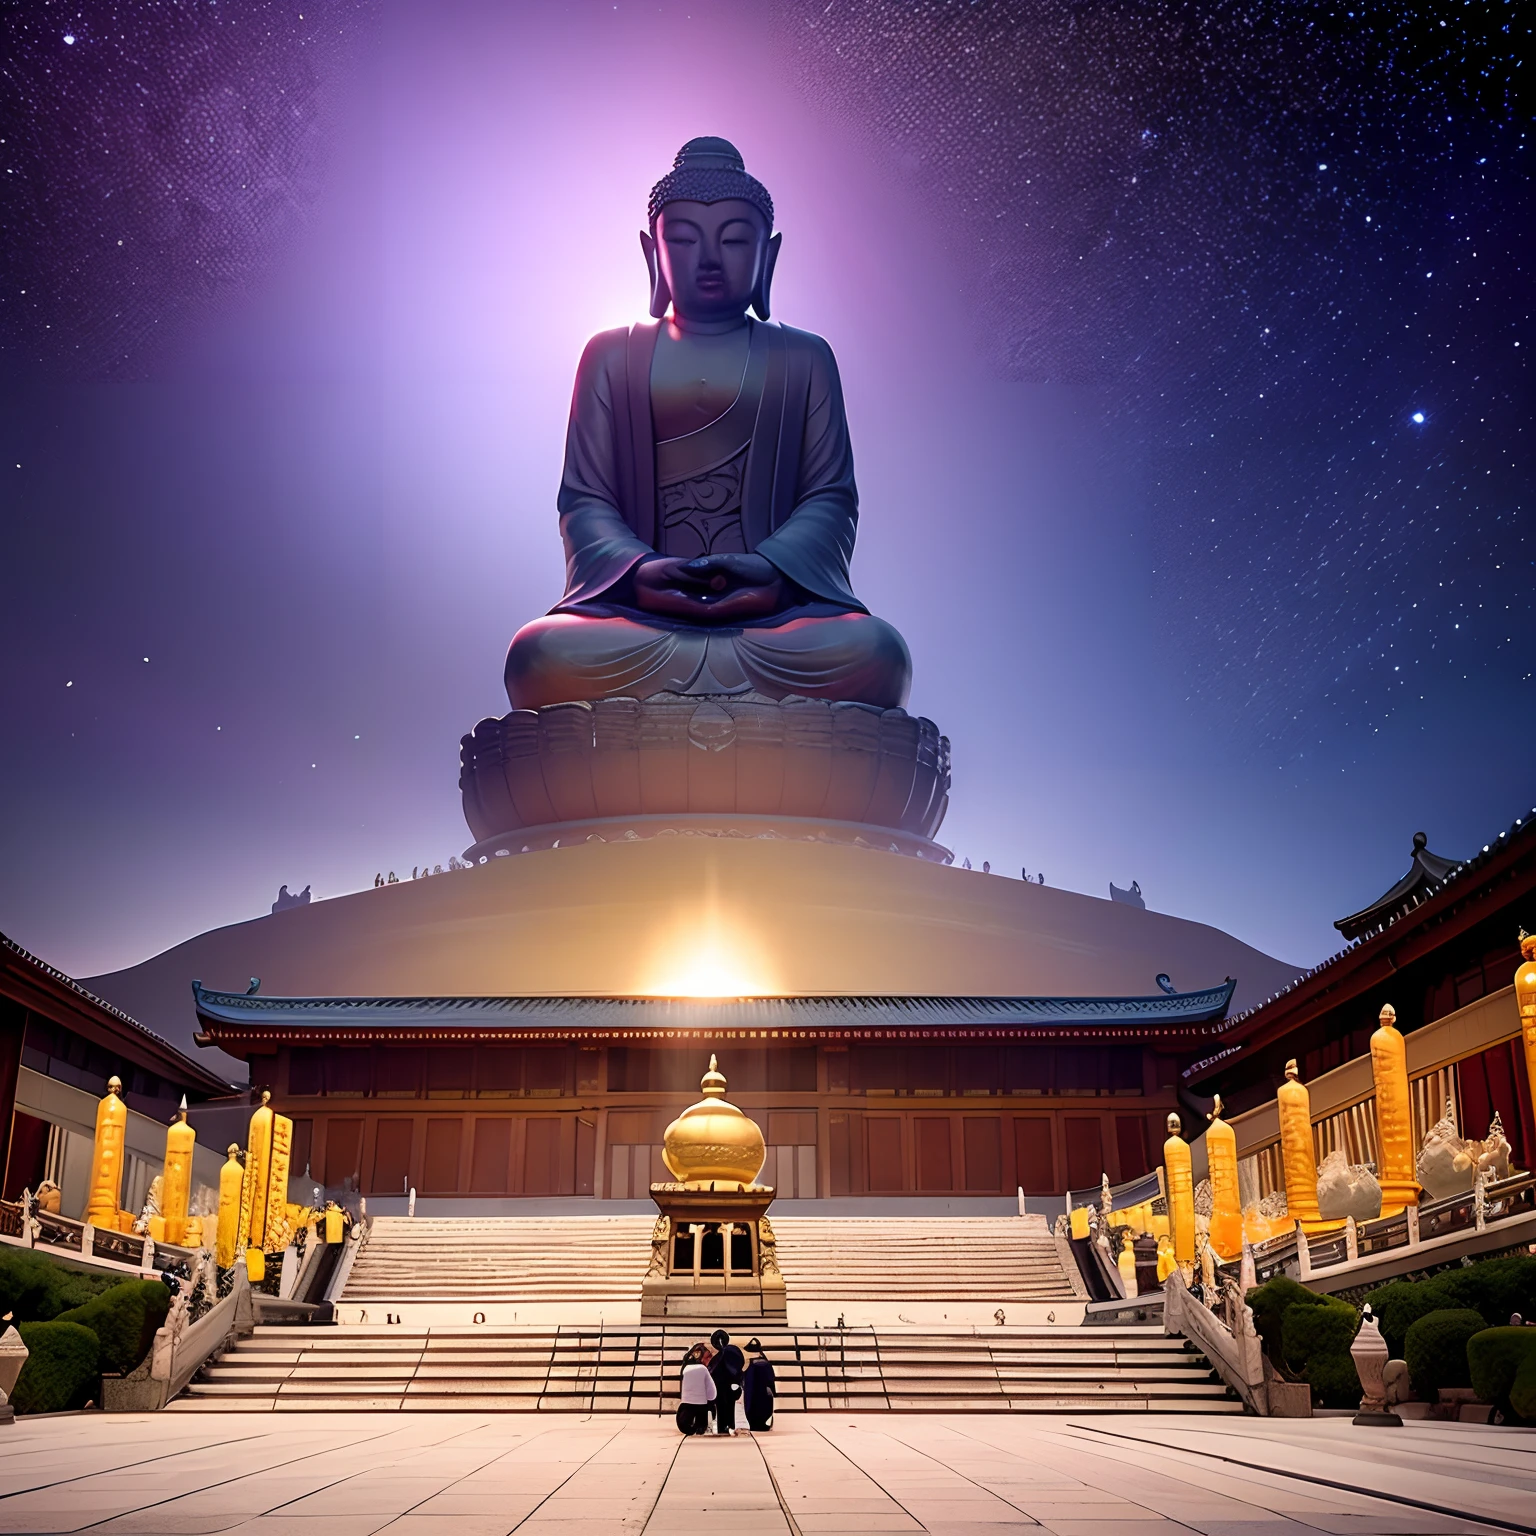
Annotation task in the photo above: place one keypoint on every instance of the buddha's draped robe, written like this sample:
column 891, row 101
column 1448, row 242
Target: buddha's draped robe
column 772, row 475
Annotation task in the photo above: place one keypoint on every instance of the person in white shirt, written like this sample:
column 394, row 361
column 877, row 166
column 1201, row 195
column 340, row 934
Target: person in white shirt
column 698, row 1392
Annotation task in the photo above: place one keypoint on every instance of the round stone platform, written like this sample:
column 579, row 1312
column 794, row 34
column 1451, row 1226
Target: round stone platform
column 740, row 765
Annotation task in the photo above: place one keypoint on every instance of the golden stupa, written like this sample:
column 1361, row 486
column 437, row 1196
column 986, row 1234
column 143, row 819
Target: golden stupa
column 712, row 1144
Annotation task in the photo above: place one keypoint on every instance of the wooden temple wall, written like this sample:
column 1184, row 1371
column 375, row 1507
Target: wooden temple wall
column 568, row 1120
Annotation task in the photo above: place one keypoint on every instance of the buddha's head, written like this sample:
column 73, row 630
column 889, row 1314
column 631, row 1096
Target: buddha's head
column 711, row 247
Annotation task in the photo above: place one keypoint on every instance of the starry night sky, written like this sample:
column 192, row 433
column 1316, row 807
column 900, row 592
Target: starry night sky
column 1187, row 357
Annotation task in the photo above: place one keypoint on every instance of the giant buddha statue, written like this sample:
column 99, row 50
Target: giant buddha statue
column 708, row 512
column 708, row 505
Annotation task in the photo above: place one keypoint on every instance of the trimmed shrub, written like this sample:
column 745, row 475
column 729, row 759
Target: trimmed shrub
column 124, row 1319
column 1316, row 1332
column 35, row 1289
column 1398, row 1306
column 1269, row 1303
column 1494, row 1288
column 1502, row 1370
column 1436, row 1350
column 62, row 1367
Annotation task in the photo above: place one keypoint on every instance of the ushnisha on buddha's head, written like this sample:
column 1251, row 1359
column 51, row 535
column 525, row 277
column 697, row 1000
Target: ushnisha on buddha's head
column 711, row 248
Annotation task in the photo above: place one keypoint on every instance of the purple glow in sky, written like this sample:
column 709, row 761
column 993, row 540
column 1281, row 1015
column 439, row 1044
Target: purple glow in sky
column 324, row 510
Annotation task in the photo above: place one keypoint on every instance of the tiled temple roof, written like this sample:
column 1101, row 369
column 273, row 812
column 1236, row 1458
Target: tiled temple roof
column 233, row 1019
column 36, row 984
column 1423, row 905
column 1426, row 871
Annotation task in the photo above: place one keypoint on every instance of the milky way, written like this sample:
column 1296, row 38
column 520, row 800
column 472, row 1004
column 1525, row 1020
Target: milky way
column 155, row 154
column 1276, row 236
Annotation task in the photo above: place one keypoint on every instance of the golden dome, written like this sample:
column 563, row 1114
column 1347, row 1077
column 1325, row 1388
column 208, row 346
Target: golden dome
column 712, row 1142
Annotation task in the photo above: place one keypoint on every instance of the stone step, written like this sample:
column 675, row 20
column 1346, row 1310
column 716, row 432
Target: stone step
column 578, row 1370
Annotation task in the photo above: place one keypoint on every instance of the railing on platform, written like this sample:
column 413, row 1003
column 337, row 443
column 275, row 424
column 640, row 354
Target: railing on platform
column 24, row 1222
column 1470, row 1211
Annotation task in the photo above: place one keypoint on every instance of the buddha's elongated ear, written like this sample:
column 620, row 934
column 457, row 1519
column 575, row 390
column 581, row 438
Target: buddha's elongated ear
column 765, row 280
column 661, row 295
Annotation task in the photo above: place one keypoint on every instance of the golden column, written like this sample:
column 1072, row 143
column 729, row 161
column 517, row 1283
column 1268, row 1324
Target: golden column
column 258, row 1162
column 231, row 1176
column 277, row 1180
column 1298, row 1153
column 176, row 1184
column 1394, row 1116
column 1181, row 1196
column 1525, row 996
column 101, row 1201
column 1226, row 1230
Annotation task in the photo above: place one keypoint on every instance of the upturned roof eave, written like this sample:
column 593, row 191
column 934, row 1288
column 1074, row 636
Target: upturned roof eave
column 48, row 991
column 1456, row 904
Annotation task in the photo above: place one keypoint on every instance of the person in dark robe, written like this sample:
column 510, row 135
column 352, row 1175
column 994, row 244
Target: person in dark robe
column 728, row 1367
column 757, row 1388
column 708, row 504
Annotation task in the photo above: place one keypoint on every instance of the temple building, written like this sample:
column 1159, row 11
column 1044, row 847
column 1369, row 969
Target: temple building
column 59, row 1044
column 857, row 1095
column 1440, row 947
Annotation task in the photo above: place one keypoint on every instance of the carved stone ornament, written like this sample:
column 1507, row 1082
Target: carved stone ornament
column 1369, row 1352
column 661, row 1235
column 767, row 1247
column 742, row 765
column 13, row 1355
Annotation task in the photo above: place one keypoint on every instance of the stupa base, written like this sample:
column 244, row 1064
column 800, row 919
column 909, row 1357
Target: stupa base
column 713, row 1254
column 538, row 778
column 632, row 829
column 714, row 1300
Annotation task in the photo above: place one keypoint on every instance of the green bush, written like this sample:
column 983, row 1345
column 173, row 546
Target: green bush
column 1502, row 1369
column 1316, row 1333
column 34, row 1289
column 1436, row 1350
column 1494, row 1288
column 124, row 1318
column 63, row 1364
column 1398, row 1306
column 1269, row 1303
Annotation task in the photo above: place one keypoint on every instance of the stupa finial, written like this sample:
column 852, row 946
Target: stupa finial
column 712, row 1084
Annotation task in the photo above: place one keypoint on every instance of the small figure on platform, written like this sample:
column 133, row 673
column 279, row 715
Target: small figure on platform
column 728, row 1367
column 757, row 1389
column 698, row 1392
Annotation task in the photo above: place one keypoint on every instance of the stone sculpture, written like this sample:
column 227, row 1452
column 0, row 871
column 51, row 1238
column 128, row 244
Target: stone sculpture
column 1346, row 1189
column 709, row 656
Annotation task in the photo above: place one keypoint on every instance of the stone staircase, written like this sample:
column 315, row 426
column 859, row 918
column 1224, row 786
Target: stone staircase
column 592, row 1259
column 444, row 1271
column 998, row 1259
column 634, row 1369
column 516, row 1259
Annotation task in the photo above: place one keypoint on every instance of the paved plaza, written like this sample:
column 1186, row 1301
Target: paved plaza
column 565, row 1475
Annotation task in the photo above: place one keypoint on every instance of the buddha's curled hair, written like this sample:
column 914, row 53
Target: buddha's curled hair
column 709, row 170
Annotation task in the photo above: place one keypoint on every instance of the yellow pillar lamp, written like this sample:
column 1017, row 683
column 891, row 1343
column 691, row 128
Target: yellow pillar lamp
column 1394, row 1116
column 254, row 1189
column 101, row 1202
column 1181, row 1196
column 176, row 1183
column 274, row 1230
column 1226, row 1229
column 231, row 1176
column 1125, row 1262
column 1525, row 997
column 1298, row 1153
column 1079, row 1220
